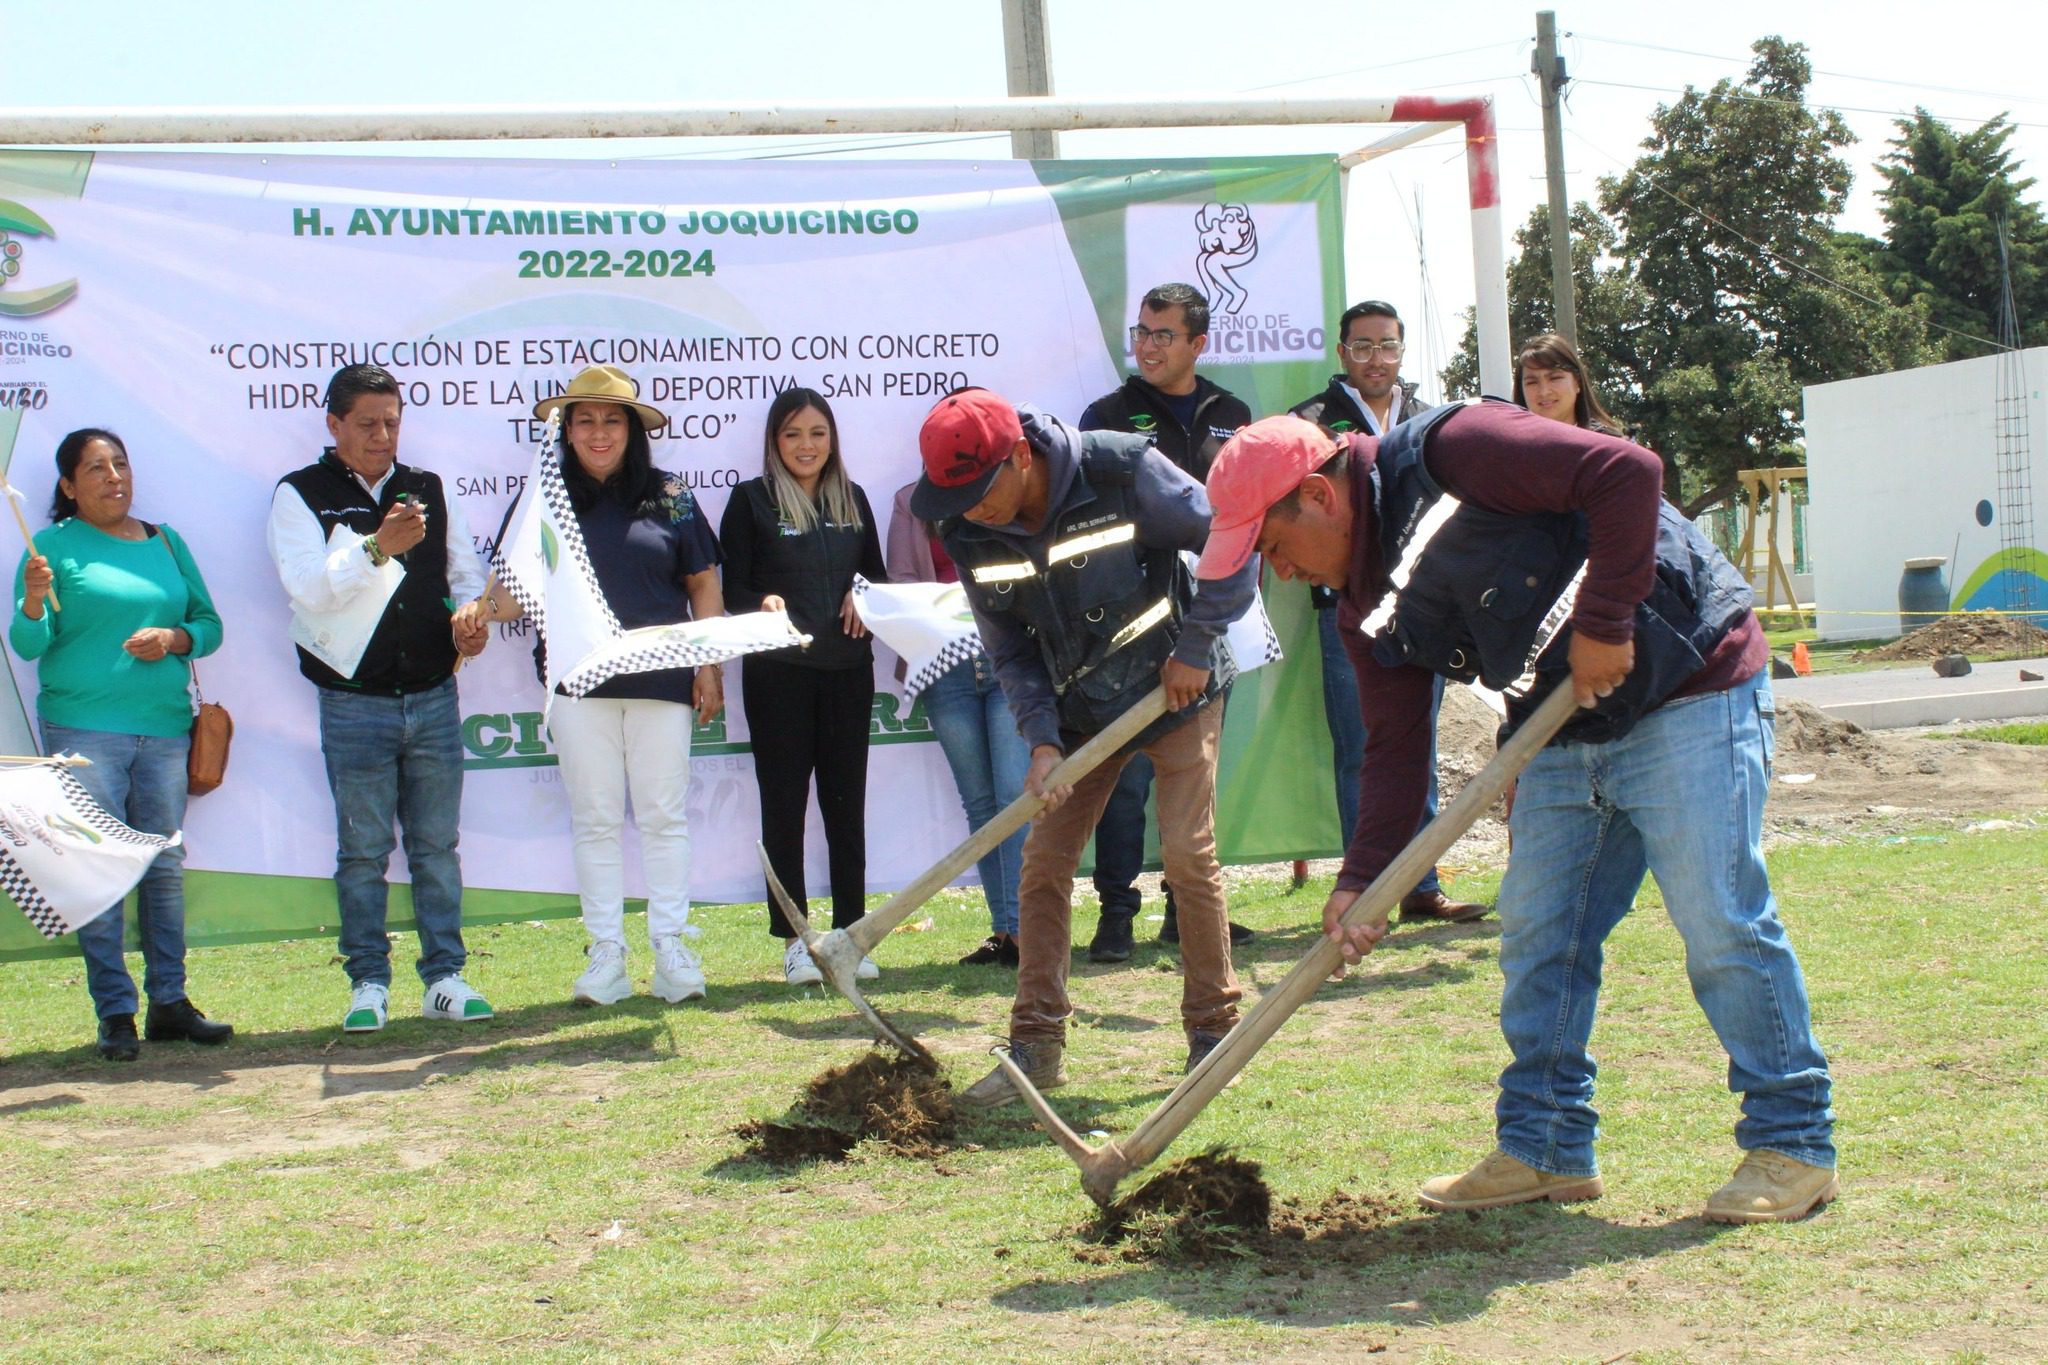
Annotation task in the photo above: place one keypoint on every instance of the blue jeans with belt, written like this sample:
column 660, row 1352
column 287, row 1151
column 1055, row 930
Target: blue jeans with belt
column 989, row 758
column 1681, row 795
column 140, row 781
column 396, row 759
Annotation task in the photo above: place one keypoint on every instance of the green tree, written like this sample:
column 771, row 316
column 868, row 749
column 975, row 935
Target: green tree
column 1726, row 225
column 1945, row 193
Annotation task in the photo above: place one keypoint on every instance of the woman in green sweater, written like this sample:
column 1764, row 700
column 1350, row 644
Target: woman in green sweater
column 132, row 609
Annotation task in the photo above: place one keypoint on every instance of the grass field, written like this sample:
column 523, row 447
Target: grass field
column 564, row 1184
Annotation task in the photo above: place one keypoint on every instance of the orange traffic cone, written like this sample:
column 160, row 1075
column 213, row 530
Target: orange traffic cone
column 1802, row 663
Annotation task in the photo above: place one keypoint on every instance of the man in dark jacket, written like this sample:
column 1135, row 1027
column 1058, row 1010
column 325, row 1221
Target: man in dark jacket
column 1521, row 545
column 1069, row 547
column 1189, row 418
column 1369, row 395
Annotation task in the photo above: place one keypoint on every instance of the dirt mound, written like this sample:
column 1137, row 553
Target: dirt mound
column 1806, row 729
column 1825, row 766
column 1199, row 1209
column 1216, row 1205
column 1973, row 632
column 1465, row 731
column 883, row 1097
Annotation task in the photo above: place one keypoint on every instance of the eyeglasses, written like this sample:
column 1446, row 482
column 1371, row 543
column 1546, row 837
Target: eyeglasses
column 1362, row 351
column 1163, row 337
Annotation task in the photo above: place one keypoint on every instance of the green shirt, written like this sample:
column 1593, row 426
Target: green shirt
column 109, row 589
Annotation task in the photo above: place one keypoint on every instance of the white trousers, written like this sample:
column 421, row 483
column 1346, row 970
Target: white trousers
column 605, row 747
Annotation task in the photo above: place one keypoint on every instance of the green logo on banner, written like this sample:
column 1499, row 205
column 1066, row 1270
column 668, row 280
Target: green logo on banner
column 19, row 220
column 549, row 550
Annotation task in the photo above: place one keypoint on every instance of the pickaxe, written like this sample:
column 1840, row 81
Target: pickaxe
column 1103, row 1167
column 839, row 952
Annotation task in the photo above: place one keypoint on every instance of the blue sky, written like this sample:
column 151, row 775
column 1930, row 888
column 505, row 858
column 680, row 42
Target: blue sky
column 1965, row 60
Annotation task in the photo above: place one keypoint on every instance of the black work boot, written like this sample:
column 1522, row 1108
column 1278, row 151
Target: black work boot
column 118, row 1042
column 1112, row 941
column 180, row 1019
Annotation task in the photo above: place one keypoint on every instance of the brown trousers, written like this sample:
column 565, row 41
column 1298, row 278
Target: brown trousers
column 1184, row 786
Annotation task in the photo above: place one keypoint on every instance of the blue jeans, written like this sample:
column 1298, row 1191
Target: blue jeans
column 140, row 781
column 1347, row 735
column 988, row 758
column 396, row 758
column 1682, row 794
column 1120, row 840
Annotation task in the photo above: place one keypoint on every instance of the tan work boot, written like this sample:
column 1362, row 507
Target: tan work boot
column 1500, row 1180
column 1042, row 1062
column 1770, row 1187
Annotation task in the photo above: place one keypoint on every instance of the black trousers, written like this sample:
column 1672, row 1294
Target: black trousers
column 805, row 722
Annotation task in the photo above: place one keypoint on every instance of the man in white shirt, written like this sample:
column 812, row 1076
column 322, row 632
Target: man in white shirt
column 374, row 556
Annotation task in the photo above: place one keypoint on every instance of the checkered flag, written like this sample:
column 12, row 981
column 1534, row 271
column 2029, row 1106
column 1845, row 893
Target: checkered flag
column 542, row 560
column 63, row 860
column 1249, row 643
column 685, row 644
column 928, row 624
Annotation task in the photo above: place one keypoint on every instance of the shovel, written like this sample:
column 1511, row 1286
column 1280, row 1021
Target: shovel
column 1103, row 1167
column 839, row 952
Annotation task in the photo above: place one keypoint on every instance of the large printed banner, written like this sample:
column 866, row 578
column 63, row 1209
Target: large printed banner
column 197, row 305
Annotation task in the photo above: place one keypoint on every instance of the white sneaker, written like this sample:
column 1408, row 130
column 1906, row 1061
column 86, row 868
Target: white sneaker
column 678, row 973
column 369, row 1005
column 604, row 981
column 867, row 970
column 453, row 998
column 797, row 967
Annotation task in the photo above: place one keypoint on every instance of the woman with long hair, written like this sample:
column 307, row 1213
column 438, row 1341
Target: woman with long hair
column 1551, row 381
column 654, row 555
column 114, row 687
column 794, row 538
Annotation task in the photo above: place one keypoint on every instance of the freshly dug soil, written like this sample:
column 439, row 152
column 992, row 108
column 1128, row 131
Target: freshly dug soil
column 883, row 1097
column 1973, row 632
column 1216, row 1206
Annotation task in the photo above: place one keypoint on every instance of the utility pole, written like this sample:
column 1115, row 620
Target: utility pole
column 1550, row 78
column 1027, row 51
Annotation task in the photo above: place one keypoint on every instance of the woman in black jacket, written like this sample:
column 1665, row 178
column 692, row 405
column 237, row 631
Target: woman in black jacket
column 793, row 540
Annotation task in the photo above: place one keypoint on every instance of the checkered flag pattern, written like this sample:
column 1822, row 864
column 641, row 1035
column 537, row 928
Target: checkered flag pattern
column 1249, row 643
column 63, row 860
column 927, row 624
column 685, row 644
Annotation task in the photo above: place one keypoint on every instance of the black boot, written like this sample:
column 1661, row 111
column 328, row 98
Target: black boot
column 181, row 1020
column 1112, row 941
column 118, row 1042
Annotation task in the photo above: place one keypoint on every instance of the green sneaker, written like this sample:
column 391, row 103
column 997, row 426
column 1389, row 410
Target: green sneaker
column 368, row 1006
column 453, row 998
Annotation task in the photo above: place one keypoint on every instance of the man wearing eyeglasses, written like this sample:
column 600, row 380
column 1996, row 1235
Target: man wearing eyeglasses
column 1369, row 397
column 1188, row 418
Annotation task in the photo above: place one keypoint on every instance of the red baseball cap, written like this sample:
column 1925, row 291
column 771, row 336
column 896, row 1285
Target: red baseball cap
column 965, row 439
column 1257, row 467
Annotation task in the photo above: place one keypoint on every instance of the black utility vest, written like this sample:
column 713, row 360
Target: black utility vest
column 412, row 649
column 1105, row 610
column 1489, row 596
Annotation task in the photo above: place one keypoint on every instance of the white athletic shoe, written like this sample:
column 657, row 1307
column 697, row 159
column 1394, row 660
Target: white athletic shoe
column 678, row 973
column 797, row 967
column 453, row 998
column 604, row 981
column 369, row 1005
column 867, row 970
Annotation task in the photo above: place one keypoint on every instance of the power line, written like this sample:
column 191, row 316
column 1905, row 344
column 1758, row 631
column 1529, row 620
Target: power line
column 1657, row 184
column 1836, row 75
column 1793, row 104
column 1381, row 66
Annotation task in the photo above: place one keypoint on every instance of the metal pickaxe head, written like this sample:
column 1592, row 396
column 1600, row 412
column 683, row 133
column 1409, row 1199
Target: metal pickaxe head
column 838, row 956
column 1102, row 1168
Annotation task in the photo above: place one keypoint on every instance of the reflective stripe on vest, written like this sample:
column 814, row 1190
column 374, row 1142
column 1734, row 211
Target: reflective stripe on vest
column 1141, row 623
column 1004, row 573
column 1077, row 546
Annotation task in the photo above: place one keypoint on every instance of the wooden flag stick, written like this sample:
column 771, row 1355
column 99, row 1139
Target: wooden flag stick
column 14, row 502
column 58, row 761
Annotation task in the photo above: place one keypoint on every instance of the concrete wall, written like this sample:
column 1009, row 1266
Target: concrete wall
column 1897, row 465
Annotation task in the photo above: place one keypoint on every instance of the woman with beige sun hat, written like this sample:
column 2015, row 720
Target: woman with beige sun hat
column 656, row 558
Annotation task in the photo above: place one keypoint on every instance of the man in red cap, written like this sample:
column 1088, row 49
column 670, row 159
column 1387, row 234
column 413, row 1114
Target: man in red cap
column 1482, row 541
column 1070, row 547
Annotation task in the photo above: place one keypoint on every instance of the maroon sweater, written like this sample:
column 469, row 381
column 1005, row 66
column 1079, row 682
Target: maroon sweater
column 1512, row 461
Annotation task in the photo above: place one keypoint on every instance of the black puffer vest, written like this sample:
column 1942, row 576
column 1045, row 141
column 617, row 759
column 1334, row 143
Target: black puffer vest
column 1104, row 609
column 1489, row 596
column 412, row 649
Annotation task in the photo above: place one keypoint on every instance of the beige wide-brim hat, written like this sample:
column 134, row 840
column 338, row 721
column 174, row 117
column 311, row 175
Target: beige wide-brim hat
column 604, row 384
